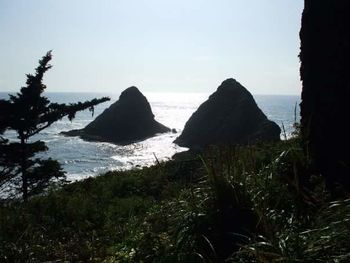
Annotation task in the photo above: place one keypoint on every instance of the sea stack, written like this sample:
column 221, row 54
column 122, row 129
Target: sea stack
column 127, row 120
column 230, row 116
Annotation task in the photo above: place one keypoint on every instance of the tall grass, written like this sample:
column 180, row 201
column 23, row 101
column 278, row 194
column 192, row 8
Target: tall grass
column 257, row 203
column 295, row 219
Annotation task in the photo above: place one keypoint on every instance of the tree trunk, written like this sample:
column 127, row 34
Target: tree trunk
column 325, row 74
column 24, row 170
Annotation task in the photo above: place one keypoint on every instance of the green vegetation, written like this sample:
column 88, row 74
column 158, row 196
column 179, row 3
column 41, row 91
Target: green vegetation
column 244, row 204
column 28, row 113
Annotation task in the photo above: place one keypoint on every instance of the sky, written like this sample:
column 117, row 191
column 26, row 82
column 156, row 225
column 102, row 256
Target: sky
column 156, row 45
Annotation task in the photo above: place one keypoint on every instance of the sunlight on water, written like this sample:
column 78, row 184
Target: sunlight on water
column 81, row 159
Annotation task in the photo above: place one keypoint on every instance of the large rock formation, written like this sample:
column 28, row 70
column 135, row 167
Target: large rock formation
column 325, row 71
column 127, row 120
column 229, row 116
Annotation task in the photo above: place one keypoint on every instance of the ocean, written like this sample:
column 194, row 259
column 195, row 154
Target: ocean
column 81, row 159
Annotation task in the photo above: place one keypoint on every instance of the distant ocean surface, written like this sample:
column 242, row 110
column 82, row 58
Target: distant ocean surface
column 82, row 159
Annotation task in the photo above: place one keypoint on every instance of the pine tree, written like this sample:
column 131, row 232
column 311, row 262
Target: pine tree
column 28, row 113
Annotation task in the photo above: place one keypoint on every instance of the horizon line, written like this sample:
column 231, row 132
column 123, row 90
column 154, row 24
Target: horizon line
column 170, row 92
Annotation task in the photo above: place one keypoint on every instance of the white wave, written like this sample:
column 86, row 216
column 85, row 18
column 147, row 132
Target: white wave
column 82, row 159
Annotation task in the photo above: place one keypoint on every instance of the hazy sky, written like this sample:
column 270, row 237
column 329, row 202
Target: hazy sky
column 156, row 45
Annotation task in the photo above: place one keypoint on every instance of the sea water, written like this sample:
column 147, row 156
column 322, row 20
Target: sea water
column 81, row 159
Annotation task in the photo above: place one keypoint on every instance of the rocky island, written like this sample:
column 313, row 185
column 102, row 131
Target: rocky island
column 127, row 120
column 229, row 116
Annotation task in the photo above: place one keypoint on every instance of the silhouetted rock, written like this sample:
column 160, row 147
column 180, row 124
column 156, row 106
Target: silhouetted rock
column 229, row 116
column 127, row 120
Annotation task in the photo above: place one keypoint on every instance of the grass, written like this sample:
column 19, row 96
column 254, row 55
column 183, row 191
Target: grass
column 232, row 204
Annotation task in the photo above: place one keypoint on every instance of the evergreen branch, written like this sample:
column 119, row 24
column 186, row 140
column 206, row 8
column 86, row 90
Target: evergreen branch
column 58, row 111
column 28, row 113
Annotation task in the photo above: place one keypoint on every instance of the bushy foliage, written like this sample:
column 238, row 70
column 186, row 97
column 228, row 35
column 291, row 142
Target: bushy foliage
column 86, row 221
column 28, row 113
column 235, row 204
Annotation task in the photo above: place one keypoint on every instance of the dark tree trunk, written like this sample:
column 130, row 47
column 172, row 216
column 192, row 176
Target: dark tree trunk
column 325, row 73
column 24, row 170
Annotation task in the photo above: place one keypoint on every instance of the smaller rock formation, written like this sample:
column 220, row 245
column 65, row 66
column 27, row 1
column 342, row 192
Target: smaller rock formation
column 127, row 120
column 229, row 116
